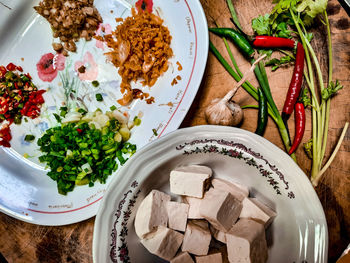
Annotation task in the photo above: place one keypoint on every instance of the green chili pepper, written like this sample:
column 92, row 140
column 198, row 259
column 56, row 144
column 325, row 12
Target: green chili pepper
column 262, row 115
column 240, row 41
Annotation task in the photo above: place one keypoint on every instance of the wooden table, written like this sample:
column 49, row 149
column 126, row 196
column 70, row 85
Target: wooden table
column 23, row 242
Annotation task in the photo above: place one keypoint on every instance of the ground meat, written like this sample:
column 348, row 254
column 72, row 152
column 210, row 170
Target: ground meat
column 70, row 20
column 141, row 50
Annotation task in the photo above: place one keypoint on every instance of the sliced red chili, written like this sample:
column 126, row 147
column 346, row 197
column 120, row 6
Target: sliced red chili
column 5, row 136
column 3, row 71
column 11, row 67
column 79, row 130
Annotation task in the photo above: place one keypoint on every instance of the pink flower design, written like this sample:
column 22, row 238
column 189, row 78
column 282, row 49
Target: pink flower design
column 87, row 69
column 49, row 65
column 103, row 29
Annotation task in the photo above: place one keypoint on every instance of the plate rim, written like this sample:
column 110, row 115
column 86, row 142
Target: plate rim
column 208, row 129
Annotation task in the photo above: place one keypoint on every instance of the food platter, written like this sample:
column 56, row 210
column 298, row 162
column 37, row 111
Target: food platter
column 26, row 192
column 298, row 234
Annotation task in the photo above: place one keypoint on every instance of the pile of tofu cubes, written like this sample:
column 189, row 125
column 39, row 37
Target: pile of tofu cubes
column 212, row 210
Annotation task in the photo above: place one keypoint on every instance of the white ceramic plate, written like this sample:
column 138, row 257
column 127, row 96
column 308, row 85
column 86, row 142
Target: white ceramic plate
column 298, row 234
column 25, row 191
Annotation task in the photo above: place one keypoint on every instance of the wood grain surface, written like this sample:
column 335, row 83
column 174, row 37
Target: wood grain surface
column 23, row 242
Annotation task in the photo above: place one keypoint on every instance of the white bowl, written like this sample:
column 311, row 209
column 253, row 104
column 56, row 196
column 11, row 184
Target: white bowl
column 298, row 233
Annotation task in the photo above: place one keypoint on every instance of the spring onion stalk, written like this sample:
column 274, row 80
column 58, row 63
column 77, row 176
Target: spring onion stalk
column 234, row 15
column 320, row 107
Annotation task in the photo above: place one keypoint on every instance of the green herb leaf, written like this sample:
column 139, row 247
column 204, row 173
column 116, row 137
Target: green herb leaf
column 311, row 8
column 331, row 90
column 155, row 132
column 261, row 25
column 308, row 148
column 282, row 30
column 305, row 98
column 276, row 63
column 267, row 52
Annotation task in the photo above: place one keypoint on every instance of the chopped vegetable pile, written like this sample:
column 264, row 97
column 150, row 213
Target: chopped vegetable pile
column 83, row 149
column 18, row 97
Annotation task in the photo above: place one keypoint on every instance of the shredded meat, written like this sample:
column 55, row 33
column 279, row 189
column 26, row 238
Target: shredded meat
column 70, row 20
column 141, row 49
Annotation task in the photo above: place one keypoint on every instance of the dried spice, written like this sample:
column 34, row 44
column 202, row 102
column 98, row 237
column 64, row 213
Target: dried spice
column 70, row 20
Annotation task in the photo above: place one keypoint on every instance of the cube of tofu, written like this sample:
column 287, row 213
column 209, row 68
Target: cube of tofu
column 246, row 242
column 217, row 234
column 252, row 208
column 190, row 180
column 197, row 238
column 182, row 257
column 177, row 215
column 237, row 190
column 193, row 210
column 212, row 258
column 220, row 208
column 151, row 213
column 163, row 242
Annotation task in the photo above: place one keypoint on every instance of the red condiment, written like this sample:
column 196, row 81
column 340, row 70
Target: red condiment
column 19, row 97
column 5, row 136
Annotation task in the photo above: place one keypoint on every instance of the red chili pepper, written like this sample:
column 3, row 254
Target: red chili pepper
column 300, row 120
column 11, row 67
column 273, row 42
column 19, row 68
column 79, row 130
column 295, row 83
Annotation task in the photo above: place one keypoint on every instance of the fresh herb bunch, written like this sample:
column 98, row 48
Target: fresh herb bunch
column 78, row 153
column 293, row 18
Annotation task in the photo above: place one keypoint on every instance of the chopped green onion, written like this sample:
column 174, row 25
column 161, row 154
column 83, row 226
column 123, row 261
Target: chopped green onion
column 99, row 97
column 155, row 132
column 95, row 83
column 58, row 118
column 83, row 158
column 82, row 111
column 29, row 138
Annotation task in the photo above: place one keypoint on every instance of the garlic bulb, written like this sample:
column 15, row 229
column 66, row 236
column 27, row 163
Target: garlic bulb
column 221, row 112
column 225, row 111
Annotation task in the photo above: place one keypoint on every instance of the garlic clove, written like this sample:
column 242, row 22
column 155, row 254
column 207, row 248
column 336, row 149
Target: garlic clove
column 237, row 112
